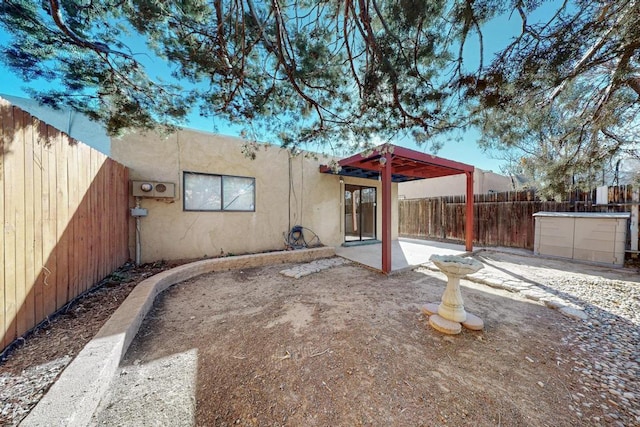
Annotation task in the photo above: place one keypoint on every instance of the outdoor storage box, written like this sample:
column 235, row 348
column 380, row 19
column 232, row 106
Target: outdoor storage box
column 596, row 237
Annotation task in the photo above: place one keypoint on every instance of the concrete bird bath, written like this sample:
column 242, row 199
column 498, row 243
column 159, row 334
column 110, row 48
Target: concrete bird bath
column 449, row 316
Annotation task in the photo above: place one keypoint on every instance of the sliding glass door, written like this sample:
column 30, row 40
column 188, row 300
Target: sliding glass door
column 360, row 213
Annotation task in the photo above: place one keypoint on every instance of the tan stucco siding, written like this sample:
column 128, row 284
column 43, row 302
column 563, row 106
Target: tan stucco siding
column 169, row 232
column 455, row 185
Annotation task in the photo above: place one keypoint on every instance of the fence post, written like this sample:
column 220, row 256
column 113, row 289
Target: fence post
column 635, row 197
column 469, row 214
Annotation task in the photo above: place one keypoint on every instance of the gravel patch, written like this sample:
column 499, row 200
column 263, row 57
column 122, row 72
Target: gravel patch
column 18, row 392
column 608, row 336
column 610, row 342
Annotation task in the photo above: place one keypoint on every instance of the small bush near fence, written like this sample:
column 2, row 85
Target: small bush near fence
column 501, row 219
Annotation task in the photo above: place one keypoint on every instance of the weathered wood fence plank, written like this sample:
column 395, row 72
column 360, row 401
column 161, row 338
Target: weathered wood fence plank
column 64, row 210
column 501, row 219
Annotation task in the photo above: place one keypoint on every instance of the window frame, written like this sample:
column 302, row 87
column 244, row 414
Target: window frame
column 222, row 177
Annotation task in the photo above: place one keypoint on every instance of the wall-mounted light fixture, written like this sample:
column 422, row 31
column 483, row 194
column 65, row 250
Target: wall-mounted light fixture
column 341, row 180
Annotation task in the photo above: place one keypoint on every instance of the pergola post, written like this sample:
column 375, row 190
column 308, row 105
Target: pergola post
column 468, row 235
column 386, row 213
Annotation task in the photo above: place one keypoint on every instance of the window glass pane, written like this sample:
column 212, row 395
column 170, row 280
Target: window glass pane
column 202, row 192
column 238, row 193
column 369, row 195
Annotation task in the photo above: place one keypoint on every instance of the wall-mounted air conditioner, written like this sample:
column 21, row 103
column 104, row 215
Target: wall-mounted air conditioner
column 153, row 189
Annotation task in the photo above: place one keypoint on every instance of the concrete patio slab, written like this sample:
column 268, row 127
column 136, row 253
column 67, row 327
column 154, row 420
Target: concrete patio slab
column 406, row 253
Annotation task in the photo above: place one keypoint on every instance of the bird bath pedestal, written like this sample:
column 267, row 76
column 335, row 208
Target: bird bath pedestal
column 449, row 316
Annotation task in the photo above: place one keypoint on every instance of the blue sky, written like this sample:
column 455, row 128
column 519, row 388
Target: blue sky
column 497, row 35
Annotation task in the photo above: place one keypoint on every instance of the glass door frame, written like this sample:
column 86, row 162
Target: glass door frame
column 353, row 237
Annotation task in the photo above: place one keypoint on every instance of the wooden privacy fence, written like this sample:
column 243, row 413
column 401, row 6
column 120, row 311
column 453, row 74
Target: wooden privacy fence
column 502, row 219
column 64, row 210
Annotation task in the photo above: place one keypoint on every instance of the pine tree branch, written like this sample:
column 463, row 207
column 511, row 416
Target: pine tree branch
column 634, row 83
column 579, row 66
column 56, row 14
column 347, row 8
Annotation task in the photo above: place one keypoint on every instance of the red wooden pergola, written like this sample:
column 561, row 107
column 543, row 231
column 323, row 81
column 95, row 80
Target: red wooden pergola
column 391, row 163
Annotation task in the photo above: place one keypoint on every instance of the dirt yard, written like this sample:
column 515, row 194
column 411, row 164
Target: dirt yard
column 347, row 347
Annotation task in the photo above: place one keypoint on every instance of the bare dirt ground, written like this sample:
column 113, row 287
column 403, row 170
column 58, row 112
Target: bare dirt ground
column 349, row 347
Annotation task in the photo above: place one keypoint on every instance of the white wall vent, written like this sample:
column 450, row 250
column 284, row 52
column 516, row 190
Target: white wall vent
column 153, row 189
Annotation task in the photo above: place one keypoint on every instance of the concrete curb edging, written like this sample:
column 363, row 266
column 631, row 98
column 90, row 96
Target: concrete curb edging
column 74, row 397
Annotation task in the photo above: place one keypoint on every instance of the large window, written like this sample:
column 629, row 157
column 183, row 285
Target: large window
column 205, row 192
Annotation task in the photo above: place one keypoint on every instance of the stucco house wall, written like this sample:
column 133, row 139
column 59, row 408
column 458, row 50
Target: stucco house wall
column 483, row 182
column 288, row 191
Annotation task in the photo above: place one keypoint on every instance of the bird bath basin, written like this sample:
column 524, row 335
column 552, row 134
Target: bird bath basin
column 452, row 265
column 449, row 316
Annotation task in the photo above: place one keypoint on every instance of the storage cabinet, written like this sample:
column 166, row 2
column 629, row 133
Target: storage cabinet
column 595, row 237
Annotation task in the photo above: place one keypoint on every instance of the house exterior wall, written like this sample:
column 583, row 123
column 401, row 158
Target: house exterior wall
column 455, row 185
column 288, row 192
